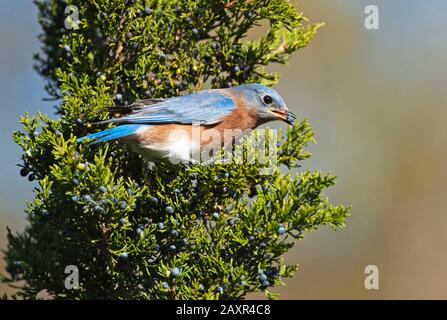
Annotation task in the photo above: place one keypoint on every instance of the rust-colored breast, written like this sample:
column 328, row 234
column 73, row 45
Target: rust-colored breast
column 240, row 118
column 233, row 125
column 161, row 133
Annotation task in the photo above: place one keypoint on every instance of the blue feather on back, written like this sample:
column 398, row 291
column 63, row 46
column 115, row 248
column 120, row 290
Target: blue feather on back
column 206, row 107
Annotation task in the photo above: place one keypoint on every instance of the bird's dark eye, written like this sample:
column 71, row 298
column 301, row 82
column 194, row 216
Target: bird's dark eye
column 267, row 99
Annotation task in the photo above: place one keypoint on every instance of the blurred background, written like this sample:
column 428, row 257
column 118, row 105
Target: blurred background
column 377, row 100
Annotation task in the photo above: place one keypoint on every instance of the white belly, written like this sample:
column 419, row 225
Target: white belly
column 178, row 151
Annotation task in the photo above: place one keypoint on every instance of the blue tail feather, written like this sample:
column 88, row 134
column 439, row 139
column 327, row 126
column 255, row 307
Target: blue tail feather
column 111, row 133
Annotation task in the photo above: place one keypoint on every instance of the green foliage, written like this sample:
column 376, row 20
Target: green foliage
column 127, row 224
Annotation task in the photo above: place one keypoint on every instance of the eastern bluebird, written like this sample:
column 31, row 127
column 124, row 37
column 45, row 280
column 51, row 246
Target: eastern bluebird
column 159, row 129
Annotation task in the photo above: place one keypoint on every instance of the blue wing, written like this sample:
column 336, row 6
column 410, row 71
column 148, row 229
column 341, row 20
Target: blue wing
column 205, row 107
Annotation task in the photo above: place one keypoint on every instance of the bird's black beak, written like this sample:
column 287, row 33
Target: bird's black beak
column 284, row 115
column 290, row 118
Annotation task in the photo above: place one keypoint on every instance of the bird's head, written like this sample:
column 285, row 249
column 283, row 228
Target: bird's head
column 266, row 103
